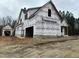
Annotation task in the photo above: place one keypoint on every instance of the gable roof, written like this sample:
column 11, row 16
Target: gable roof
column 38, row 8
column 45, row 5
column 33, row 8
column 25, row 11
column 7, row 26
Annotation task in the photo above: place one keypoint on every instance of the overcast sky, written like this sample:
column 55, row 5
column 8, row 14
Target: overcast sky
column 13, row 7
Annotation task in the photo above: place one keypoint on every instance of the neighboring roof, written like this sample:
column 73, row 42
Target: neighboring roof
column 7, row 26
column 64, row 23
column 38, row 8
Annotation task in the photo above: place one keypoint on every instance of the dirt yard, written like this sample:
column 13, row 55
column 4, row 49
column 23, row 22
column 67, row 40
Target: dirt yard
column 12, row 47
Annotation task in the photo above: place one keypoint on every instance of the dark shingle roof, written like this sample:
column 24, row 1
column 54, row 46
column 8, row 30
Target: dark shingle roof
column 33, row 8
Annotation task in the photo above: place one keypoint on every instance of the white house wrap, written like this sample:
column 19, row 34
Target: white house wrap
column 41, row 21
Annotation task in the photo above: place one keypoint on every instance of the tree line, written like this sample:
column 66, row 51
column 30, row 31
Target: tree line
column 73, row 23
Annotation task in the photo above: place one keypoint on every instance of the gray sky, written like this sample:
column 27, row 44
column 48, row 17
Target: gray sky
column 13, row 7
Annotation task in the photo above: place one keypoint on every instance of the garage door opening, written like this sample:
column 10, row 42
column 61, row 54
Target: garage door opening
column 29, row 32
column 7, row 33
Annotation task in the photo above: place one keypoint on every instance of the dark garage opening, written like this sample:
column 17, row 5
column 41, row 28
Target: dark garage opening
column 29, row 32
column 7, row 33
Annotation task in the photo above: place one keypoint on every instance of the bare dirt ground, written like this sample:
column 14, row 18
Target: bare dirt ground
column 12, row 47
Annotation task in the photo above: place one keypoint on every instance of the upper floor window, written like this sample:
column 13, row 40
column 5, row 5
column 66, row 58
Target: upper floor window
column 49, row 12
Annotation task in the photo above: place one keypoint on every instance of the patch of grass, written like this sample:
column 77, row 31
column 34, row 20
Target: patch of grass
column 14, row 40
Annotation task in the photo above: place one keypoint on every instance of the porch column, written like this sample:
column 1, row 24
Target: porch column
column 3, row 33
column 62, row 31
column 11, row 33
column 67, row 30
column 24, row 33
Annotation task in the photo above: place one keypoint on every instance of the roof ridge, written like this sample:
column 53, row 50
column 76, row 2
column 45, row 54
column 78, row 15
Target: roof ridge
column 41, row 7
column 44, row 5
column 33, row 8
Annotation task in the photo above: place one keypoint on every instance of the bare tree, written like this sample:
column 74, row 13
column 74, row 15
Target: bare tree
column 7, row 20
column 3, row 21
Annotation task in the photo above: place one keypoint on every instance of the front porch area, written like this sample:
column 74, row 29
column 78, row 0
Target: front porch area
column 64, row 31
